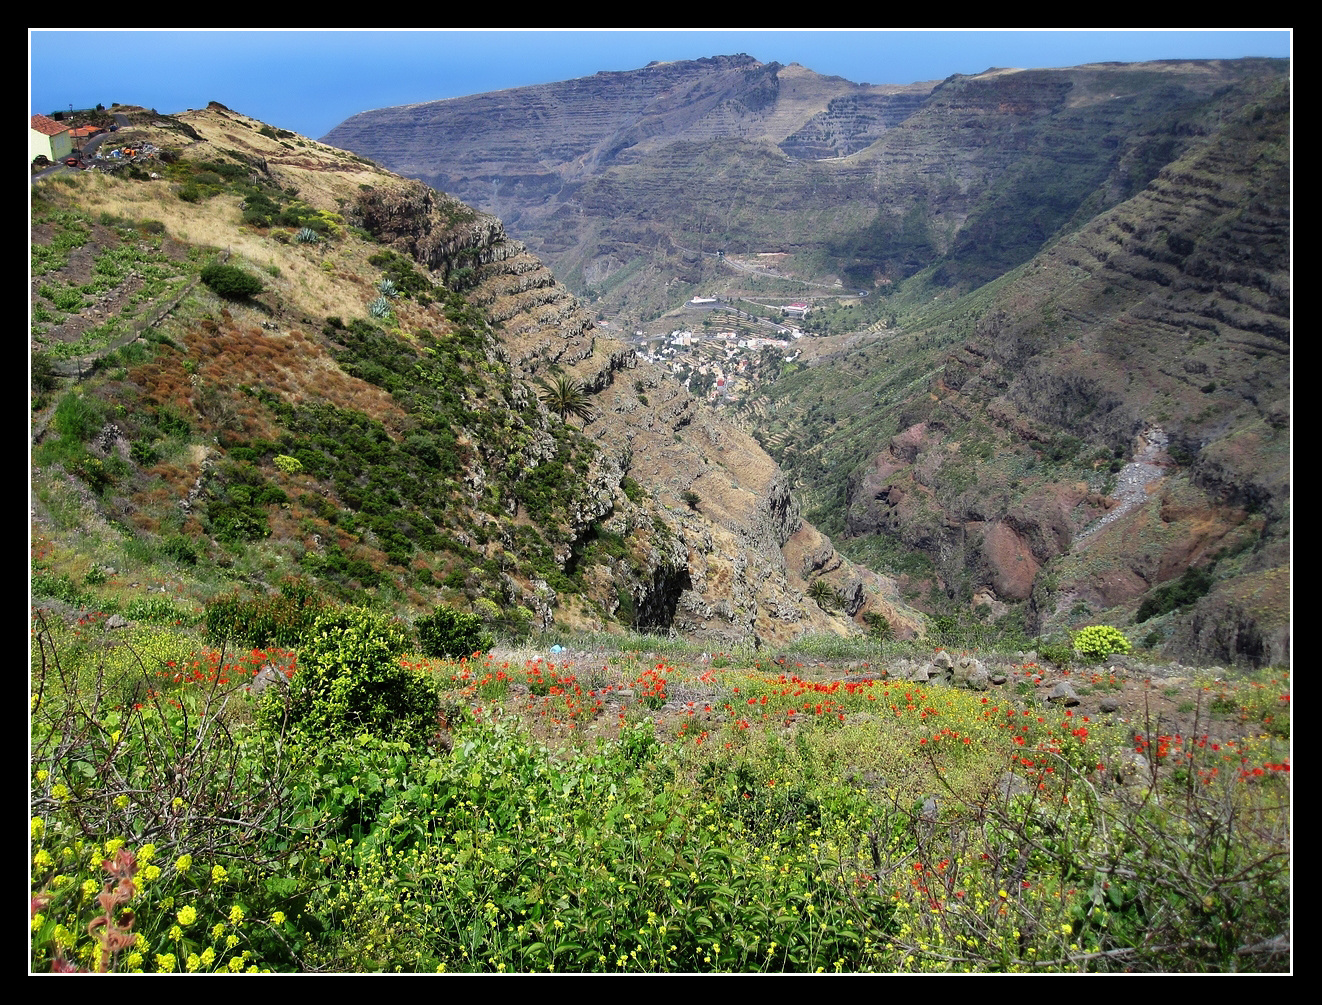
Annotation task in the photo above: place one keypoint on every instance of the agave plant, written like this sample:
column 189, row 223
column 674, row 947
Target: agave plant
column 379, row 308
column 566, row 396
column 387, row 288
column 307, row 236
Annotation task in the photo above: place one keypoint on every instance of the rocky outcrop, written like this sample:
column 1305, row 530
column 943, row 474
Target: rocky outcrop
column 437, row 230
column 1243, row 622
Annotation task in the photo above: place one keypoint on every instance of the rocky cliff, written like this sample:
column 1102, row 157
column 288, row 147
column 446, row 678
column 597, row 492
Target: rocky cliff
column 733, row 560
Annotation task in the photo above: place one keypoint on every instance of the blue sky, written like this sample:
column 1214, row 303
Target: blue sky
column 310, row 81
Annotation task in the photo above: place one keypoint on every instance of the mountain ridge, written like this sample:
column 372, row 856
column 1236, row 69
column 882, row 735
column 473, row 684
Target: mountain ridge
column 1098, row 253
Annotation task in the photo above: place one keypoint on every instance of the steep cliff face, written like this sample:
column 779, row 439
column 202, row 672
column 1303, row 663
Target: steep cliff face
column 709, row 539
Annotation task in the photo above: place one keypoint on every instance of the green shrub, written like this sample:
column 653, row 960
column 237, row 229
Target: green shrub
column 179, row 548
column 66, row 298
column 1193, row 584
column 284, row 620
column 403, row 275
column 1096, row 642
column 144, row 454
column 821, row 593
column 447, row 632
column 517, row 620
column 43, row 373
column 486, row 609
column 350, row 680
column 58, row 587
column 76, row 417
column 231, row 282
column 162, row 610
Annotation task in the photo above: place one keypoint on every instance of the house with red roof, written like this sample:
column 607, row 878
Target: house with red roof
column 49, row 138
column 82, row 134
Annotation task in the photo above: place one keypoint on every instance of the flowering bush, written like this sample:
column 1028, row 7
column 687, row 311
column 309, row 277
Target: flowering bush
column 1098, row 641
column 134, row 926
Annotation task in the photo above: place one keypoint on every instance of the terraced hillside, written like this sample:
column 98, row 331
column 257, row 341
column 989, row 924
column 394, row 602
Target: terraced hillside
column 376, row 419
column 995, row 435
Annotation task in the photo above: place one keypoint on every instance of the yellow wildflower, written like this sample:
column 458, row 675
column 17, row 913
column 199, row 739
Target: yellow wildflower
column 187, row 915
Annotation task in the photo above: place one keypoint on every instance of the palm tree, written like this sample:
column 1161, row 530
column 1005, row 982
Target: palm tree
column 566, row 396
column 820, row 591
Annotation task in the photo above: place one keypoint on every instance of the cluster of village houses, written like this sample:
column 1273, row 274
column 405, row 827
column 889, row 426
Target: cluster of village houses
column 726, row 354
